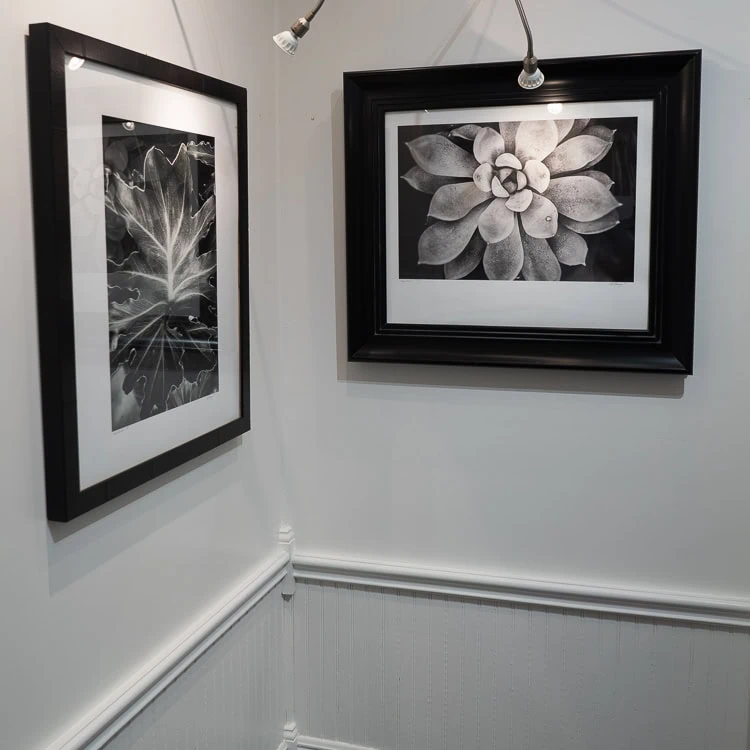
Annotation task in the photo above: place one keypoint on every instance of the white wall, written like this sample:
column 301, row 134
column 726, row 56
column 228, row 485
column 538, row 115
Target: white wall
column 630, row 480
column 80, row 611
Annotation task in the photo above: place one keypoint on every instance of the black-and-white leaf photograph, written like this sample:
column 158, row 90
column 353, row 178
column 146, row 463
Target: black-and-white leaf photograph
column 160, row 199
column 535, row 200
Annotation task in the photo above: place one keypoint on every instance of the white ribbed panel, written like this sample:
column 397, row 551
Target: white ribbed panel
column 231, row 698
column 404, row 670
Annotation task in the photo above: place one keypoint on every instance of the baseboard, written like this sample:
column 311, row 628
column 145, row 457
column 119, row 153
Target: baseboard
column 638, row 603
column 95, row 729
column 316, row 743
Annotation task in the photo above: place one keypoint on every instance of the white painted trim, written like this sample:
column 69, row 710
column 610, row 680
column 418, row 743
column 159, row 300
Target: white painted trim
column 640, row 603
column 95, row 729
column 316, row 743
column 291, row 735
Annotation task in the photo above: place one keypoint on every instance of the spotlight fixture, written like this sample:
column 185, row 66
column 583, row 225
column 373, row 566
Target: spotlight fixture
column 530, row 78
column 289, row 40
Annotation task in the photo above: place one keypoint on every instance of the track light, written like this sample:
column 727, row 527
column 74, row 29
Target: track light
column 530, row 78
column 289, row 40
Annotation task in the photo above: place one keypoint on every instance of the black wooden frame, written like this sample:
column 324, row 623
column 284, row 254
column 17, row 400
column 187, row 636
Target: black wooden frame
column 671, row 80
column 47, row 46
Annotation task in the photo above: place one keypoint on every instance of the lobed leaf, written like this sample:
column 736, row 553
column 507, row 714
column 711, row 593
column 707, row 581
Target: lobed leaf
column 158, row 333
column 203, row 152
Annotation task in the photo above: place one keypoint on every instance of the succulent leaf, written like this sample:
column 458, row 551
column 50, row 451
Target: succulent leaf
column 468, row 260
column 504, row 260
column 497, row 221
column 540, row 263
column 440, row 156
column 443, row 241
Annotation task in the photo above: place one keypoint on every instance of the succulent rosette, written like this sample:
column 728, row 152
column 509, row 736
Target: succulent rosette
column 520, row 199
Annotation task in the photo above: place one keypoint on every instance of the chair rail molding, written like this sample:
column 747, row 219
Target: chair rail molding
column 733, row 613
column 316, row 743
column 285, row 568
column 111, row 715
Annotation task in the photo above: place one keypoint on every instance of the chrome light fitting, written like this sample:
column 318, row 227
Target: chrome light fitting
column 530, row 78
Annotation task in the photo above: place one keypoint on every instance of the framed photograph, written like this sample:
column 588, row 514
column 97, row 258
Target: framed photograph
column 488, row 225
column 140, row 211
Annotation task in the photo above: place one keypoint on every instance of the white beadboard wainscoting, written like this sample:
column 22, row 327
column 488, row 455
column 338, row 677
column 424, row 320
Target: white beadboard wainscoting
column 219, row 683
column 316, row 653
column 231, row 697
column 423, row 660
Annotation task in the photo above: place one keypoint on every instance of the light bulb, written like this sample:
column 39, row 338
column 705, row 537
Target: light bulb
column 75, row 63
column 287, row 41
column 555, row 108
column 531, row 80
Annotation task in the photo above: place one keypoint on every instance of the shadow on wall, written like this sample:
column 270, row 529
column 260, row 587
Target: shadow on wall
column 720, row 55
column 446, row 45
column 99, row 536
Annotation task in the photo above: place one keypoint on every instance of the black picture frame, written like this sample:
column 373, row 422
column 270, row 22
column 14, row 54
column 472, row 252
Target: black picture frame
column 47, row 47
column 671, row 80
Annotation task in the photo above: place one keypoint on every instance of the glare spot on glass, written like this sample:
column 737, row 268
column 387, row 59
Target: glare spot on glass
column 129, row 125
column 555, row 108
column 75, row 63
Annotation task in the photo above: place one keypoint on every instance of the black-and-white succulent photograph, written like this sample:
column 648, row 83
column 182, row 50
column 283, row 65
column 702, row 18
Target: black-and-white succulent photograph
column 160, row 200
column 535, row 200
